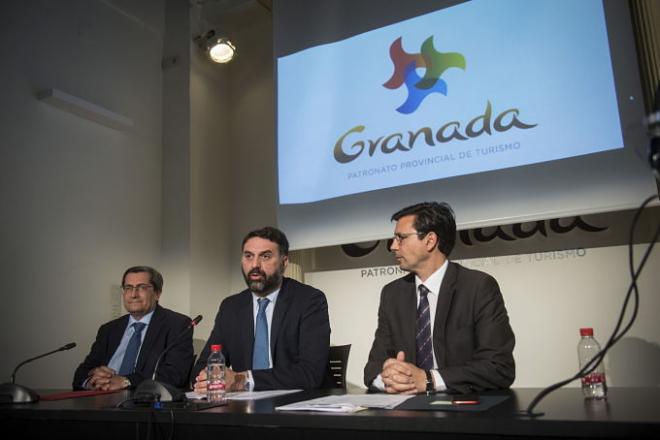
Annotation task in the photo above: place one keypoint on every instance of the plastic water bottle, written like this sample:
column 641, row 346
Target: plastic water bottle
column 215, row 375
column 594, row 385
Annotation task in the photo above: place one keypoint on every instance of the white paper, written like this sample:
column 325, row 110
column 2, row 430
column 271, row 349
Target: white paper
column 256, row 395
column 243, row 395
column 347, row 403
column 335, row 408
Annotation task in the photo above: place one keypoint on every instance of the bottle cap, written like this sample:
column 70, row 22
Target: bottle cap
column 216, row 347
column 587, row 331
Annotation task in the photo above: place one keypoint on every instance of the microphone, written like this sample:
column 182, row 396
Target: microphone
column 150, row 391
column 13, row 393
column 192, row 325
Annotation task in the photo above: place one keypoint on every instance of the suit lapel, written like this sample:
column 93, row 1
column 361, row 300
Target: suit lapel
column 245, row 319
column 115, row 338
column 149, row 341
column 282, row 306
column 445, row 298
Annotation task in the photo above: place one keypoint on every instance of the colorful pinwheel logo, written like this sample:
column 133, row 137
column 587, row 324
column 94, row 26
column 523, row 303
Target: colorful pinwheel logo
column 405, row 65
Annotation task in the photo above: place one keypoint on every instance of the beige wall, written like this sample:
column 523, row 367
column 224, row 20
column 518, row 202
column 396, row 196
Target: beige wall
column 233, row 173
column 80, row 201
column 210, row 190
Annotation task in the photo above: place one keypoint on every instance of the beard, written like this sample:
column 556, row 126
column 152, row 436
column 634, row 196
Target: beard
column 266, row 284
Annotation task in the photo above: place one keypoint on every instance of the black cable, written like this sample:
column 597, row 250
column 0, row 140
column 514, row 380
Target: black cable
column 614, row 338
column 159, row 428
column 171, row 437
column 123, row 402
column 633, row 285
column 150, row 423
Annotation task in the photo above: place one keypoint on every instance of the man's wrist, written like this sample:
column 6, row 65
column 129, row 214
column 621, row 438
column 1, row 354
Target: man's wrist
column 126, row 383
column 378, row 383
column 249, row 381
column 438, row 382
column 87, row 384
column 419, row 379
column 430, row 384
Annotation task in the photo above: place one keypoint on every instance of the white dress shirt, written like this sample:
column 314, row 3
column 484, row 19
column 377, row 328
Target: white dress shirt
column 118, row 357
column 269, row 320
column 433, row 284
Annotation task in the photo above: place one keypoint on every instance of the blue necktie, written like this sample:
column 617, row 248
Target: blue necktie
column 423, row 338
column 260, row 353
column 130, row 357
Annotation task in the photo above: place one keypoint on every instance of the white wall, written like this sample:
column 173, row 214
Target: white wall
column 211, row 185
column 233, row 162
column 175, row 215
column 549, row 296
column 80, row 201
column 252, row 147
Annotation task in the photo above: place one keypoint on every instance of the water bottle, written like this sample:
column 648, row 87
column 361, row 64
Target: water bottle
column 593, row 384
column 215, row 375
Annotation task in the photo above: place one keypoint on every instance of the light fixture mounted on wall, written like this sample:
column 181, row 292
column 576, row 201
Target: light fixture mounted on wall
column 218, row 47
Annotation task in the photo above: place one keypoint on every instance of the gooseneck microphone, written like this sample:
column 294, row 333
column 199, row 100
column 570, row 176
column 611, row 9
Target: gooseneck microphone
column 68, row 346
column 13, row 393
column 192, row 325
column 150, row 391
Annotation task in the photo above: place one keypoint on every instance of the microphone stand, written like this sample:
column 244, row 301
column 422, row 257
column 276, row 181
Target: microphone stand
column 14, row 393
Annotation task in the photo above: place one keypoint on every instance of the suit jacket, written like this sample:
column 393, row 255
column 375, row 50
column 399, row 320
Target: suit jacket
column 164, row 329
column 299, row 337
column 472, row 339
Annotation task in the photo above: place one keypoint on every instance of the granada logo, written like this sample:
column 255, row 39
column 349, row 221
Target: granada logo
column 353, row 143
column 435, row 63
column 347, row 148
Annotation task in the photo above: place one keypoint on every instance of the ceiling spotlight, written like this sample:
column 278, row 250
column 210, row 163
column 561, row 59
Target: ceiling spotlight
column 221, row 50
column 218, row 48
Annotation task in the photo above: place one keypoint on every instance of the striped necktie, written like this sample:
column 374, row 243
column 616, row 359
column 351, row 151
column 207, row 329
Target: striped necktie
column 424, row 354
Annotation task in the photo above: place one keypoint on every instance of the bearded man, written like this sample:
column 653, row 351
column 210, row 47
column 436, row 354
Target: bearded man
column 276, row 333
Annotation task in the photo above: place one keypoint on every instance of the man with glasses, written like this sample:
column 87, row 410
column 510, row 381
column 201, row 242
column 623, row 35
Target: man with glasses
column 126, row 349
column 442, row 326
column 276, row 333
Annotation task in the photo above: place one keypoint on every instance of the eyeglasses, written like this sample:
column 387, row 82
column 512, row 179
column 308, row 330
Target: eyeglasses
column 398, row 237
column 127, row 288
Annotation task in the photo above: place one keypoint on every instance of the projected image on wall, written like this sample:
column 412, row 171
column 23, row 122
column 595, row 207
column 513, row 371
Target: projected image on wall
column 474, row 87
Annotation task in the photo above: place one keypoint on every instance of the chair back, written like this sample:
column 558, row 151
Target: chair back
column 337, row 365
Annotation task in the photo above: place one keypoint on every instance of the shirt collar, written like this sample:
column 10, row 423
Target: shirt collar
column 146, row 319
column 433, row 282
column 271, row 296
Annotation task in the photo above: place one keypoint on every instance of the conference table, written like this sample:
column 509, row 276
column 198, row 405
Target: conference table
column 628, row 412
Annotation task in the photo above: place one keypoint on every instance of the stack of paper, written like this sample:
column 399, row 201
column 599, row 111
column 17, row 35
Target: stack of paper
column 256, row 395
column 243, row 395
column 346, row 403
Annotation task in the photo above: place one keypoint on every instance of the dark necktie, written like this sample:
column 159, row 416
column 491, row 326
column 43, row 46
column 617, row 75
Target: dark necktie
column 423, row 338
column 130, row 357
column 260, row 353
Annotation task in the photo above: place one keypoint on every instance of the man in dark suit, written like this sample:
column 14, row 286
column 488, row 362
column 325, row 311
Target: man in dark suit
column 276, row 333
column 443, row 326
column 113, row 362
